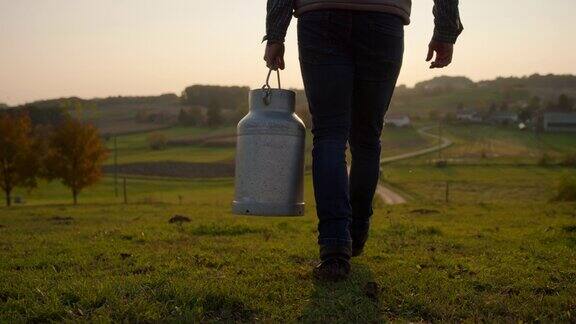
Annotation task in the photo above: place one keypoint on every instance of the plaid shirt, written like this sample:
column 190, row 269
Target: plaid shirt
column 446, row 19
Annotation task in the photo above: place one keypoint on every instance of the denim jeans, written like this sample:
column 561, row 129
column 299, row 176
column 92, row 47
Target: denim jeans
column 350, row 61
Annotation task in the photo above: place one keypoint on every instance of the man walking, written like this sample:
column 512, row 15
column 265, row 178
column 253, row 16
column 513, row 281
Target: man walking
column 350, row 57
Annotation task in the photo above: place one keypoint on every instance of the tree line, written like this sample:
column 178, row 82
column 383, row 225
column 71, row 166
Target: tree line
column 69, row 151
column 216, row 106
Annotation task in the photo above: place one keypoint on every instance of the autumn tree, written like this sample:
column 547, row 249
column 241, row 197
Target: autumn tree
column 75, row 155
column 19, row 165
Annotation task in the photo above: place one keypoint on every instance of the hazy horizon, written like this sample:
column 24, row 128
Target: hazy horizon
column 62, row 48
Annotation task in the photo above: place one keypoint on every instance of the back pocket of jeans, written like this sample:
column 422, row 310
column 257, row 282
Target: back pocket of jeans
column 387, row 24
column 314, row 41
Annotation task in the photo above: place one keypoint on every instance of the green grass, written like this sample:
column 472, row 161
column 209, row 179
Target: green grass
column 135, row 147
column 420, row 105
column 486, row 145
column 139, row 190
column 489, row 259
column 473, row 144
column 506, row 143
column 397, row 141
column 478, row 183
column 500, row 251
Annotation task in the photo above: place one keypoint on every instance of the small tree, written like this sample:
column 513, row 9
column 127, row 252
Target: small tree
column 19, row 165
column 214, row 118
column 75, row 156
column 183, row 117
column 565, row 103
column 535, row 103
column 157, row 141
column 191, row 116
column 492, row 108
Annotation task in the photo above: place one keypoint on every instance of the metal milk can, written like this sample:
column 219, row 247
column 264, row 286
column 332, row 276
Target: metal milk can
column 270, row 155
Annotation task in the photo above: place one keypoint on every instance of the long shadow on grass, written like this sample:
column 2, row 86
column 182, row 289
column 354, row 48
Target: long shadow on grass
column 351, row 301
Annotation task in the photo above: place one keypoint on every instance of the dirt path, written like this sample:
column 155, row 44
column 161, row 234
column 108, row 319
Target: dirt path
column 388, row 195
column 423, row 131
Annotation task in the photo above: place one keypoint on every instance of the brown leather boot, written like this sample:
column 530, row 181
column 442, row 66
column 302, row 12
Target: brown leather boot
column 358, row 243
column 335, row 264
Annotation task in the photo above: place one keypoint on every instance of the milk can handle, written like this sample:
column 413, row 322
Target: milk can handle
column 268, row 89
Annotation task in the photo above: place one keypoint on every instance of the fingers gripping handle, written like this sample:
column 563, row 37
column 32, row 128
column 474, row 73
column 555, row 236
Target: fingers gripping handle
column 268, row 89
column 267, row 85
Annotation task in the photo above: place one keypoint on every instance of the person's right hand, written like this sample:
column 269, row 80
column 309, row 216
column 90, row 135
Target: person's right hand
column 274, row 56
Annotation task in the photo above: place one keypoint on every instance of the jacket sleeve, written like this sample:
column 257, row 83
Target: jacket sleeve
column 279, row 14
column 447, row 21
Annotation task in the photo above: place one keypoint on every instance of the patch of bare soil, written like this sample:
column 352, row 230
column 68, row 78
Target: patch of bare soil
column 210, row 140
column 179, row 219
column 424, row 211
column 62, row 219
column 175, row 169
column 229, row 141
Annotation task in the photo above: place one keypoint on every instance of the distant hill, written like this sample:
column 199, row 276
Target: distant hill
column 444, row 94
column 112, row 114
column 535, row 81
column 38, row 116
column 215, row 96
column 445, row 83
column 164, row 99
column 440, row 95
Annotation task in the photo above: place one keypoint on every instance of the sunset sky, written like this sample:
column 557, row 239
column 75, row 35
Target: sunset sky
column 55, row 48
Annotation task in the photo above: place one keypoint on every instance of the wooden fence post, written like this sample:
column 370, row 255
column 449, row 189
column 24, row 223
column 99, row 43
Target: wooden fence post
column 115, row 167
column 125, row 192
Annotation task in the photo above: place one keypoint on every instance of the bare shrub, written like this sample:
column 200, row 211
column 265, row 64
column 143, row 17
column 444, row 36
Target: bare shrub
column 566, row 190
column 569, row 160
column 545, row 160
column 157, row 141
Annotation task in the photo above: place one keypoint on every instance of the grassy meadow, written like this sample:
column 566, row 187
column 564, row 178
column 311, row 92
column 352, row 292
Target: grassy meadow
column 473, row 184
column 500, row 250
column 486, row 144
column 135, row 147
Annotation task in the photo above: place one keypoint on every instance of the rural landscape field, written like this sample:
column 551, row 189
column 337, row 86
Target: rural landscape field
column 484, row 234
column 426, row 151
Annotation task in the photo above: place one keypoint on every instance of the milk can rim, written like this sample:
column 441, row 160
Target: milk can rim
column 274, row 91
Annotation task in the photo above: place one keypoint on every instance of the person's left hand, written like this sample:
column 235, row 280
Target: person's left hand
column 274, row 56
column 444, row 52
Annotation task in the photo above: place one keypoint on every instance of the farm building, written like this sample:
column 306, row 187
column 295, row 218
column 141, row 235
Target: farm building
column 504, row 117
column 559, row 121
column 397, row 120
column 468, row 115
